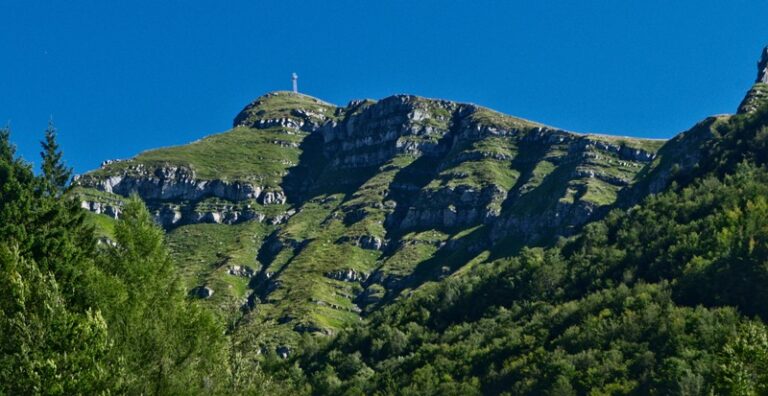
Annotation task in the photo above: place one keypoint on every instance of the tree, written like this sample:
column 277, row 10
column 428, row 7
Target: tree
column 55, row 174
column 165, row 344
column 743, row 363
column 45, row 347
column 7, row 150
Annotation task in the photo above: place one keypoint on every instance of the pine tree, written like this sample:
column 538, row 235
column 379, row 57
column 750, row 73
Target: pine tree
column 50, row 339
column 55, row 174
column 165, row 343
column 7, row 150
column 45, row 346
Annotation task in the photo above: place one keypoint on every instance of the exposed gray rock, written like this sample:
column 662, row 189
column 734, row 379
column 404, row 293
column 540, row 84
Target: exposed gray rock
column 453, row 207
column 563, row 219
column 590, row 173
column 366, row 242
column 111, row 210
column 242, row 271
column 171, row 182
column 762, row 67
column 347, row 275
column 112, row 161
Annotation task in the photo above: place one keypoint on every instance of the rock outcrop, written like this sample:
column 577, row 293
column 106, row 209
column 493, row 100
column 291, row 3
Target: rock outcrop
column 177, row 183
column 762, row 67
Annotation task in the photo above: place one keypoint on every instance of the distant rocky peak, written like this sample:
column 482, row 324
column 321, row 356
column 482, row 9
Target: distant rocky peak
column 284, row 109
column 762, row 67
column 757, row 96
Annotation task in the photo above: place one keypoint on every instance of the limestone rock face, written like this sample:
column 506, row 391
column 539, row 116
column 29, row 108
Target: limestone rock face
column 170, row 182
column 241, row 271
column 171, row 193
column 347, row 275
column 110, row 210
column 762, row 67
column 394, row 125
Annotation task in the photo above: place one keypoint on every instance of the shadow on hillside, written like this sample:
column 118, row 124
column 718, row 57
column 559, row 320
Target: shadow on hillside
column 529, row 155
column 298, row 182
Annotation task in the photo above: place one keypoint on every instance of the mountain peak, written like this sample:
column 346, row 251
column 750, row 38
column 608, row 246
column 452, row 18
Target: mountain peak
column 757, row 96
column 762, row 67
column 281, row 105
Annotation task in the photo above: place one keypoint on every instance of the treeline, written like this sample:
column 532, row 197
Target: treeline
column 82, row 316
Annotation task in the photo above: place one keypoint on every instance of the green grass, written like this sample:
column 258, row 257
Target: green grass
column 94, row 195
column 599, row 192
column 262, row 156
column 204, row 252
column 103, row 225
column 282, row 104
column 239, row 154
column 490, row 117
column 201, row 248
column 649, row 145
column 418, row 247
column 477, row 174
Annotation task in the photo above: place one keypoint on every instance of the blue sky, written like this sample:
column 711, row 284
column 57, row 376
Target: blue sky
column 121, row 77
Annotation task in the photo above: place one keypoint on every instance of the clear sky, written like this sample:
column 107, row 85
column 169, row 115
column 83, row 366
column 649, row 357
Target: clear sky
column 120, row 77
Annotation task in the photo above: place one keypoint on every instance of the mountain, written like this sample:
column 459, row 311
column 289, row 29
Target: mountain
column 326, row 212
column 384, row 244
column 305, row 216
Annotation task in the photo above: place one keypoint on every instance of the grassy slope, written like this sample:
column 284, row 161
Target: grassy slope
column 242, row 153
column 103, row 225
column 260, row 156
column 204, row 253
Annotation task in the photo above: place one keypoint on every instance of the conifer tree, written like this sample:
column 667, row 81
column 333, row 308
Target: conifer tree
column 55, row 174
column 45, row 346
column 6, row 148
column 165, row 343
column 48, row 342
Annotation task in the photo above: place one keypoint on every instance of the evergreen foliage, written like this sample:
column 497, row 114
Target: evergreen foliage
column 77, row 317
column 164, row 344
column 55, row 174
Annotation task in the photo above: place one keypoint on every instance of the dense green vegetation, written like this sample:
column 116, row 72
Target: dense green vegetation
column 666, row 297
column 648, row 301
column 82, row 316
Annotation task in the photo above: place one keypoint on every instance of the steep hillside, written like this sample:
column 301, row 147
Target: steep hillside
column 667, row 297
column 305, row 215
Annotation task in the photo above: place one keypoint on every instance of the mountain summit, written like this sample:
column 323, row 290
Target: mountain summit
column 762, row 67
